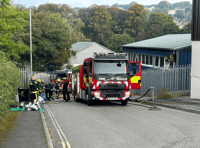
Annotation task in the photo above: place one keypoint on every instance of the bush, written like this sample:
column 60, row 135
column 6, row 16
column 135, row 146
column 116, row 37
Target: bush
column 162, row 93
column 10, row 81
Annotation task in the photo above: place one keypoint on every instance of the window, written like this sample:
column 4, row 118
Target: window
column 156, row 61
column 143, row 59
column 151, row 60
column 147, row 59
column 162, row 61
column 140, row 58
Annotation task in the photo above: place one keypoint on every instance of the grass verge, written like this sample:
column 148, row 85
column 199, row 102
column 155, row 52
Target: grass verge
column 7, row 125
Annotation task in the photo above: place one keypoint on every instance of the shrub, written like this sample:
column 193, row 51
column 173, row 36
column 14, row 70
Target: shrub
column 162, row 93
column 10, row 81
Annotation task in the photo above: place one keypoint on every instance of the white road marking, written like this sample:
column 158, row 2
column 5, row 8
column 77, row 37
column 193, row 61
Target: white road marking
column 68, row 145
column 63, row 144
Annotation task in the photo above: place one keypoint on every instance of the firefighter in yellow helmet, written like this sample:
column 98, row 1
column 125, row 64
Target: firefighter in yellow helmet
column 57, row 88
column 40, row 87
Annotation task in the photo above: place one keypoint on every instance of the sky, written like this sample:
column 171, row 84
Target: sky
column 87, row 3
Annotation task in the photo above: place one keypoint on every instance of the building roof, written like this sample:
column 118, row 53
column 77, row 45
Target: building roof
column 81, row 45
column 167, row 42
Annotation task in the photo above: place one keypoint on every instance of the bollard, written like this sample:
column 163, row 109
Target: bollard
column 152, row 88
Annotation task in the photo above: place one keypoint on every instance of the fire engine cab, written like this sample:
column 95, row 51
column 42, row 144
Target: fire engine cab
column 106, row 76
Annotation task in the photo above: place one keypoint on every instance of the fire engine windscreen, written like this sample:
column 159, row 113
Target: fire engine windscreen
column 110, row 67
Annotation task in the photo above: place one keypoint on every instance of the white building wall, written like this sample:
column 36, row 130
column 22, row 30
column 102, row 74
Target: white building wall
column 86, row 53
column 195, row 72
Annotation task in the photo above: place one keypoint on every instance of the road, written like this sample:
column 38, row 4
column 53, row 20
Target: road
column 114, row 126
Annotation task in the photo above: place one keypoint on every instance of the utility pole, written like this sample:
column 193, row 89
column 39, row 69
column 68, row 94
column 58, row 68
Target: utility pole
column 30, row 41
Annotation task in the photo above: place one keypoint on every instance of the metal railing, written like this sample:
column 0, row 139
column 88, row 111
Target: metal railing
column 176, row 80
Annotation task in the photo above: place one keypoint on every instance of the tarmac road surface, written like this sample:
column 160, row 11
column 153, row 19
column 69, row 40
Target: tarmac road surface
column 76, row 125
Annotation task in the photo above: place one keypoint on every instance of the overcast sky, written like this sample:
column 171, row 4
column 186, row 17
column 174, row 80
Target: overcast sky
column 87, row 3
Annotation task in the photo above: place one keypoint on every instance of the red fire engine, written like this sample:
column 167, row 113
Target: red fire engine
column 106, row 76
column 63, row 75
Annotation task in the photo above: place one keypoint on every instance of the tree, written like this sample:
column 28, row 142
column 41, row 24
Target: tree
column 159, row 24
column 136, row 20
column 12, row 22
column 97, row 24
column 51, row 38
column 118, row 18
column 116, row 41
column 186, row 29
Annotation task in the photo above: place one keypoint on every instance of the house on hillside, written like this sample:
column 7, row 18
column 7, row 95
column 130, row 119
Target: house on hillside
column 85, row 50
column 155, row 52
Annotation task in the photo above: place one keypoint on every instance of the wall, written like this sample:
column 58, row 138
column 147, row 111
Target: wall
column 185, row 57
column 86, row 53
column 195, row 73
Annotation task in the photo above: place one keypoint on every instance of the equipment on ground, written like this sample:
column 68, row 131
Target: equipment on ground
column 106, row 76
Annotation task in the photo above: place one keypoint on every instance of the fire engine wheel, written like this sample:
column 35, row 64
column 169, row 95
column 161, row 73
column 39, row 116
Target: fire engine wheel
column 89, row 101
column 124, row 102
column 75, row 98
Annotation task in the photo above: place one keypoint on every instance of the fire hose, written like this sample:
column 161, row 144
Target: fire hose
column 151, row 88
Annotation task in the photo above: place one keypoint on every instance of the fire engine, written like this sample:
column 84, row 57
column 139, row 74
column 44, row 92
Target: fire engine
column 63, row 75
column 106, row 76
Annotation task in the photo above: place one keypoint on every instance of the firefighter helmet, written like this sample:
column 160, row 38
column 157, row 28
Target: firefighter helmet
column 58, row 80
column 39, row 80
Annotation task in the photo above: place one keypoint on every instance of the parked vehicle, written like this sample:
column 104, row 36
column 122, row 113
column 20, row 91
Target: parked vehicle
column 63, row 75
column 106, row 76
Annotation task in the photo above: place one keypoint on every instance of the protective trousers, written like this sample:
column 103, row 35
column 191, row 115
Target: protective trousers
column 64, row 95
column 48, row 94
column 34, row 96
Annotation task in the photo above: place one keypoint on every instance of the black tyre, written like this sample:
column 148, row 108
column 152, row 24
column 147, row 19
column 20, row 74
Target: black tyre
column 124, row 102
column 75, row 98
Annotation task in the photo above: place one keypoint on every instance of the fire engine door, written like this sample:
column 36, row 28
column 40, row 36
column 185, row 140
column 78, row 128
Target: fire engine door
column 135, row 72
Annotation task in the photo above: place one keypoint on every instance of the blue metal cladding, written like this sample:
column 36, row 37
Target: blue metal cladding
column 148, row 51
column 184, row 57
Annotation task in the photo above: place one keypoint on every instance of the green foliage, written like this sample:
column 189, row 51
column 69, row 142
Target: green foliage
column 159, row 24
column 118, row 19
column 116, row 41
column 10, row 81
column 162, row 93
column 12, row 21
column 97, row 24
column 135, row 23
column 76, row 68
column 186, row 29
column 51, row 41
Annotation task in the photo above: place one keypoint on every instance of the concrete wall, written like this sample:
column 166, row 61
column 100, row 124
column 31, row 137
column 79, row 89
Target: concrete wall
column 86, row 53
column 195, row 72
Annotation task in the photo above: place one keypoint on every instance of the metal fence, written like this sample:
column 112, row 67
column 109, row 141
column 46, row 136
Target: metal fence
column 176, row 80
column 26, row 72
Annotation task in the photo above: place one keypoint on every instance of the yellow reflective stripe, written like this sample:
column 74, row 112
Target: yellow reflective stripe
column 34, row 92
column 84, row 79
column 31, row 83
column 135, row 79
column 70, row 82
column 90, row 79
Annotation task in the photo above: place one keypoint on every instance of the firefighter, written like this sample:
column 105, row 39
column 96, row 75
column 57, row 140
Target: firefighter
column 43, row 86
column 65, row 91
column 57, row 88
column 48, row 92
column 34, row 89
column 40, row 87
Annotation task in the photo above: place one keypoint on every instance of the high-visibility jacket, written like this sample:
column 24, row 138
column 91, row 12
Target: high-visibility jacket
column 33, row 86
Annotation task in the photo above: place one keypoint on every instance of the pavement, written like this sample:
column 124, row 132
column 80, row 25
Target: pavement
column 184, row 103
column 30, row 125
column 27, row 133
